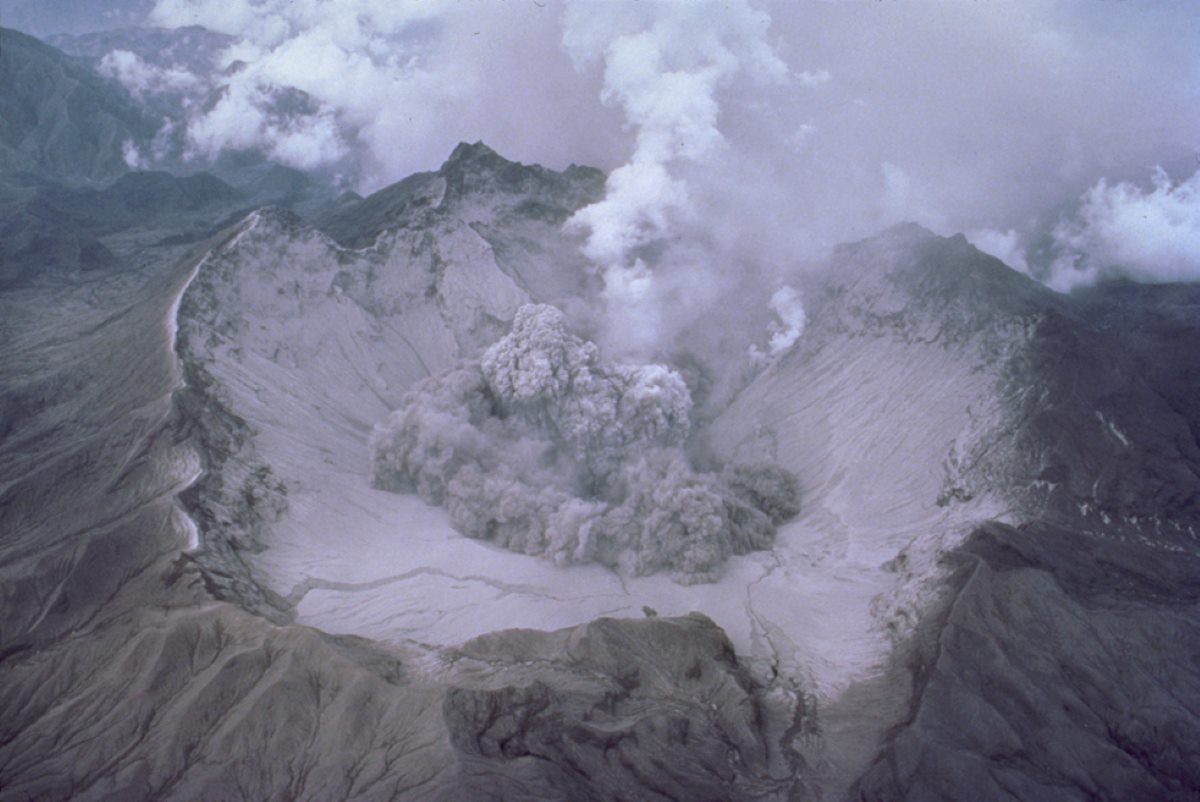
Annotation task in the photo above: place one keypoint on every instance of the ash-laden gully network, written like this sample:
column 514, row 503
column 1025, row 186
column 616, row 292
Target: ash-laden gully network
column 334, row 502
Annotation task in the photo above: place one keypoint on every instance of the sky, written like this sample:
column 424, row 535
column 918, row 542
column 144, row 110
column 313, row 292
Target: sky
column 1063, row 137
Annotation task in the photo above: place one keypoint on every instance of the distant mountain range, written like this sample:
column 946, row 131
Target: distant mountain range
column 46, row 18
column 59, row 119
column 66, row 175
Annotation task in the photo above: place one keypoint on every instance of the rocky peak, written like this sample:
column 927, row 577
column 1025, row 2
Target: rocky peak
column 476, row 185
column 919, row 285
column 934, row 269
column 473, row 156
column 474, row 171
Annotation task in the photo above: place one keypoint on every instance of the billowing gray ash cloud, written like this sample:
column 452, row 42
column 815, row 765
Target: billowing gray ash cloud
column 544, row 449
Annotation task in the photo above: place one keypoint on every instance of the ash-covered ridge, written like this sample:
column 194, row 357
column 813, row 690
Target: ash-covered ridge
column 932, row 381
column 542, row 448
column 293, row 346
column 517, row 209
column 1056, row 412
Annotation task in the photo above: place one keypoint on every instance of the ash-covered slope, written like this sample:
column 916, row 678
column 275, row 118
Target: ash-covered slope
column 1055, row 663
column 294, row 347
column 893, row 397
column 935, row 390
column 517, row 209
column 1013, row 391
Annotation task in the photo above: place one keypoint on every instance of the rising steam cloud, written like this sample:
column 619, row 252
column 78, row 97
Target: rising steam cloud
column 544, row 449
column 664, row 64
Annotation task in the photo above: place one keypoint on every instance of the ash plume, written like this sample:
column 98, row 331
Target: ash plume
column 544, row 449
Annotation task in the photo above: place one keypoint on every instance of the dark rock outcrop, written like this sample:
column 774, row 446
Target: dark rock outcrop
column 1061, row 667
column 655, row 709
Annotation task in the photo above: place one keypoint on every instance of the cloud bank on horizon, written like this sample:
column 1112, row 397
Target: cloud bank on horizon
column 771, row 128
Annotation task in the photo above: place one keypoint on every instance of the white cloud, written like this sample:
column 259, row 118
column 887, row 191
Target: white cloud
column 1146, row 234
column 354, row 60
column 788, row 306
column 1007, row 246
column 252, row 113
column 395, row 84
column 813, row 79
column 132, row 156
column 142, row 78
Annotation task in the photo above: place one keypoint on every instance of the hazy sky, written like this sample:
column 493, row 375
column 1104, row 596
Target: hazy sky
column 789, row 125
